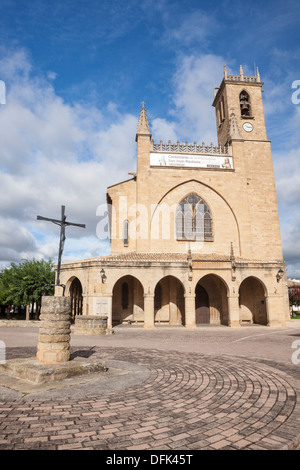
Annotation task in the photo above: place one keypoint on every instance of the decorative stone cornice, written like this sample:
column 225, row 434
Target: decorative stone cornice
column 241, row 77
column 195, row 148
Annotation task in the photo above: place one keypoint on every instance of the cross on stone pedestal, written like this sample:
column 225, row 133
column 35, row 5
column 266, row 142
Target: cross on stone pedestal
column 62, row 222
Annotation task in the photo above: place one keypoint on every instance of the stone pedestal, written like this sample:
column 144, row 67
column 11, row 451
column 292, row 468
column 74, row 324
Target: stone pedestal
column 90, row 325
column 54, row 335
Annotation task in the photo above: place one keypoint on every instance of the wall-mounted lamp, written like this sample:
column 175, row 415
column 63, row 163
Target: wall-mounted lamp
column 103, row 276
column 279, row 275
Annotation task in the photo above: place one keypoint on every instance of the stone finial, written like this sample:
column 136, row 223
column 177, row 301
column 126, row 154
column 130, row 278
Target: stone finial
column 233, row 264
column 234, row 132
column 190, row 264
column 143, row 125
column 232, row 257
column 225, row 72
column 241, row 73
column 257, row 75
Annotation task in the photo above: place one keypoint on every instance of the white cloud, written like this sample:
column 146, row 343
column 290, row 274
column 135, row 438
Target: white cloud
column 163, row 130
column 287, row 177
column 193, row 28
column 55, row 154
column 194, row 85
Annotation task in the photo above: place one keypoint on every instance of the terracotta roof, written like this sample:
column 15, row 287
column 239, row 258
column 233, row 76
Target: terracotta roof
column 139, row 258
column 143, row 257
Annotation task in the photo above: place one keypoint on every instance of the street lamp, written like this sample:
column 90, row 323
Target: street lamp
column 279, row 275
column 103, row 276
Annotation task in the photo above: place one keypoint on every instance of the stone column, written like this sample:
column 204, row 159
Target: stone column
column 54, row 335
column 190, row 312
column 275, row 307
column 233, row 310
column 149, row 311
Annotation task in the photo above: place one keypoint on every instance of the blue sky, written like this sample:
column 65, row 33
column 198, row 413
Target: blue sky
column 76, row 73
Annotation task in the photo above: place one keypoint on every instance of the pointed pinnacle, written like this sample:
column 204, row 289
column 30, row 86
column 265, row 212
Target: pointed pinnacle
column 143, row 125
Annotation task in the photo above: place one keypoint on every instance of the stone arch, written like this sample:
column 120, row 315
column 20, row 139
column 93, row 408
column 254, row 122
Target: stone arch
column 170, row 199
column 252, row 301
column 127, row 301
column 169, row 306
column 245, row 104
column 74, row 290
column 211, row 300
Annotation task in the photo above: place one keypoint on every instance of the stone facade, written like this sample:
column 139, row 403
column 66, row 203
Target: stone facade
column 195, row 234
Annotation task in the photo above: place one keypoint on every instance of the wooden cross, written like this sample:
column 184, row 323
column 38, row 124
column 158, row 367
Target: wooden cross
column 62, row 222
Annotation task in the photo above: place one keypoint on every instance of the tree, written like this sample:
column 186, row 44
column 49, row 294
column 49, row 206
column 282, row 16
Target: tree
column 294, row 294
column 26, row 283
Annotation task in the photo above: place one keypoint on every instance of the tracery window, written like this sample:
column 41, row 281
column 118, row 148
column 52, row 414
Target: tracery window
column 193, row 219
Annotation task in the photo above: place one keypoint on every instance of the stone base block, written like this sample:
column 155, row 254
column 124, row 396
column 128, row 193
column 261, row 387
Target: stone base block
column 33, row 371
column 90, row 325
column 52, row 356
column 277, row 324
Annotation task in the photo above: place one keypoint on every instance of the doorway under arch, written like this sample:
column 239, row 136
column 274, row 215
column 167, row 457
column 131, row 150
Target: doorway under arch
column 211, row 302
column 201, row 305
column 128, row 301
column 252, row 301
column 75, row 292
column 169, row 307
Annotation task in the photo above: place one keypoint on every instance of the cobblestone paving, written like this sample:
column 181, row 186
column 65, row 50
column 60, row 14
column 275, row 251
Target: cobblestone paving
column 188, row 401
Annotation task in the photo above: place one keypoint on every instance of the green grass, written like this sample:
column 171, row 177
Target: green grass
column 297, row 317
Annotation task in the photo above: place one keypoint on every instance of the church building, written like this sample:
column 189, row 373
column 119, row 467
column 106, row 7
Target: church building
column 194, row 232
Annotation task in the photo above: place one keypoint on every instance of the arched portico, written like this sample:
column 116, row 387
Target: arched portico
column 127, row 301
column 169, row 301
column 211, row 300
column 74, row 290
column 252, row 301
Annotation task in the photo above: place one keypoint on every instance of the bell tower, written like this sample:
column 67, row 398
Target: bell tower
column 241, row 126
column 239, row 108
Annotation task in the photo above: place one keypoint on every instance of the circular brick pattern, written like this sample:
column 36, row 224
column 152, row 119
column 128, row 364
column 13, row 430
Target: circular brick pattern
column 189, row 401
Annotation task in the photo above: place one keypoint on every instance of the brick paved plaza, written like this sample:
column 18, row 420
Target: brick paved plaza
column 165, row 389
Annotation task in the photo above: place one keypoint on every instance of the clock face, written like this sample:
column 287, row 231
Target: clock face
column 247, row 126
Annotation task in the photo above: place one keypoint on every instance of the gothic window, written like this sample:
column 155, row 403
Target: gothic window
column 193, row 219
column 245, row 104
column 222, row 109
column 124, row 296
column 219, row 115
column 221, row 112
column 125, row 232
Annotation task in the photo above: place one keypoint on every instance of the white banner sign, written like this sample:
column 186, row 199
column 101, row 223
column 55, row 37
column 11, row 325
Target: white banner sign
column 192, row 161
